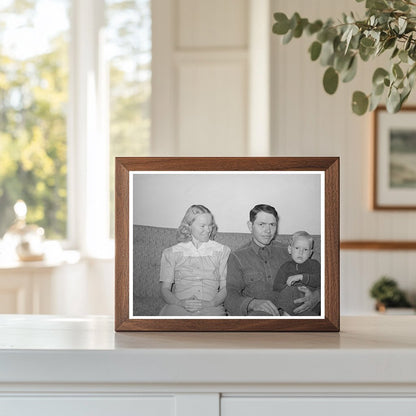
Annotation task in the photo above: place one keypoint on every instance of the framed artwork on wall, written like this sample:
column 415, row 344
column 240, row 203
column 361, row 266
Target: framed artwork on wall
column 394, row 179
column 227, row 244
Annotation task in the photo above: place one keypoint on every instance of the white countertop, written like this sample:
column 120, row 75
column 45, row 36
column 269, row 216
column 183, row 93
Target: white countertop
column 53, row 349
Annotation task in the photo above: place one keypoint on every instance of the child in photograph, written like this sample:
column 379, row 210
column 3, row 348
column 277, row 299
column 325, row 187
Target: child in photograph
column 300, row 271
column 193, row 272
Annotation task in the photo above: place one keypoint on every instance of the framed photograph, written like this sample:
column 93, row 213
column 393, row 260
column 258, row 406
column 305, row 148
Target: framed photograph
column 227, row 244
column 394, row 182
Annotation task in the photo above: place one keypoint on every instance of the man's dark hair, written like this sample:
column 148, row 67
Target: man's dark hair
column 262, row 208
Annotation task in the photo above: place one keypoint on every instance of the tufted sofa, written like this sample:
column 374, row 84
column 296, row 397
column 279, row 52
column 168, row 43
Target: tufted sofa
column 148, row 244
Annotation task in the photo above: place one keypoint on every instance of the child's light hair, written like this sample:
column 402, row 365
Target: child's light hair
column 183, row 233
column 303, row 234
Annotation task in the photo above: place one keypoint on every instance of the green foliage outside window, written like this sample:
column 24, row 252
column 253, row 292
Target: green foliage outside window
column 34, row 103
column 33, row 97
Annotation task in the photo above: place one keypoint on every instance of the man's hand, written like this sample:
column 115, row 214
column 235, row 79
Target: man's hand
column 292, row 279
column 263, row 305
column 310, row 300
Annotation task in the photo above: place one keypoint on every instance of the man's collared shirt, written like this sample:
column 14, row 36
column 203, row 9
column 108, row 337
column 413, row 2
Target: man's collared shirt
column 250, row 275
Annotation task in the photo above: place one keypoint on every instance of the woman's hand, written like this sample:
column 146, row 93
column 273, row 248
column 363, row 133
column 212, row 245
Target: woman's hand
column 192, row 304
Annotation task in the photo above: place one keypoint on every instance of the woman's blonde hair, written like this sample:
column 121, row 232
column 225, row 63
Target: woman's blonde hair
column 184, row 230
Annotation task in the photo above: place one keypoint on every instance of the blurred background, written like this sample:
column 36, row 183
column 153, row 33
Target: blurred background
column 83, row 81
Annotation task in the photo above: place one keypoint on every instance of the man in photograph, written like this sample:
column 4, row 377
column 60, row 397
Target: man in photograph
column 253, row 267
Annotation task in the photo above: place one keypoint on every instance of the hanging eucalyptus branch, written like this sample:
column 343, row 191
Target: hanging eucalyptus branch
column 389, row 27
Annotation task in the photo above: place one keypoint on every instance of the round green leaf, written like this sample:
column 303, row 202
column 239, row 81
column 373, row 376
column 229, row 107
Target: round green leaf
column 359, row 103
column 367, row 42
column 330, row 80
column 281, row 26
column 314, row 27
column 315, row 50
column 379, row 75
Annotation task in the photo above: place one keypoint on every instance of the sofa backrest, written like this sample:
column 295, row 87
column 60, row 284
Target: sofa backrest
column 149, row 242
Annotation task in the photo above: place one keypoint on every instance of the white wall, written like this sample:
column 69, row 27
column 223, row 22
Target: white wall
column 162, row 199
column 308, row 122
column 202, row 106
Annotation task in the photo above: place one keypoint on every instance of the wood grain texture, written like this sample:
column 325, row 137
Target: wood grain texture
column 378, row 245
column 329, row 165
column 121, row 244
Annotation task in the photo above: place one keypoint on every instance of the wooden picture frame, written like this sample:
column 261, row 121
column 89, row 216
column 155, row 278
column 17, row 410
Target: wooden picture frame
column 155, row 188
column 394, row 159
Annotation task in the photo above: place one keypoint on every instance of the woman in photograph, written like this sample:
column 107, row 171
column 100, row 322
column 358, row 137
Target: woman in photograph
column 193, row 271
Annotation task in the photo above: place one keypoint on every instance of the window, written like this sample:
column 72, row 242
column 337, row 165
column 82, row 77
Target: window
column 129, row 46
column 33, row 97
column 75, row 86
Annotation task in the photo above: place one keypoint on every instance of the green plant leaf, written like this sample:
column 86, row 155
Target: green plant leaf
column 404, row 95
column 403, row 56
column 408, row 42
column 288, row 37
column 314, row 27
column 402, row 22
column 341, row 61
column 389, row 43
column 395, row 52
column 367, row 42
column 400, row 5
column 376, row 4
column 378, row 89
column 327, row 53
column 315, row 50
column 374, row 101
column 359, row 103
column 281, row 27
column 350, row 73
column 393, row 101
column 379, row 75
column 397, row 71
column 330, row 80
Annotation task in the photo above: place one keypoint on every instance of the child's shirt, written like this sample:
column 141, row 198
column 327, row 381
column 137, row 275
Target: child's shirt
column 310, row 271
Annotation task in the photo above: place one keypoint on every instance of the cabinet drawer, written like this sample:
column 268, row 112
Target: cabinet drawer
column 87, row 406
column 271, row 406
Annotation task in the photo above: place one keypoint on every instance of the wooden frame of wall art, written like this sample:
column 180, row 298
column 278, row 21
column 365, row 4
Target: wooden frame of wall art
column 227, row 244
column 394, row 144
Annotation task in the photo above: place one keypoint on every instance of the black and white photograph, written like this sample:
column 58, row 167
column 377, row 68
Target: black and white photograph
column 213, row 244
column 227, row 244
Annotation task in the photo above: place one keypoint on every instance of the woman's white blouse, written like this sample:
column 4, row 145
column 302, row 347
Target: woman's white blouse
column 199, row 272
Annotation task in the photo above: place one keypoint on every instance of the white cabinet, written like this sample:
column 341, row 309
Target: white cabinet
column 323, row 406
column 79, row 366
column 88, row 406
